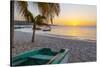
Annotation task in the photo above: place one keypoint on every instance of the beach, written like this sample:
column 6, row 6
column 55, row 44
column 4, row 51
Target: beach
column 80, row 50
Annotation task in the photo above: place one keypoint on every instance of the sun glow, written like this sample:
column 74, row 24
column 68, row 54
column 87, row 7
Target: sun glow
column 74, row 22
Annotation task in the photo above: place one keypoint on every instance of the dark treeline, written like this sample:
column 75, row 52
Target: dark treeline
column 22, row 23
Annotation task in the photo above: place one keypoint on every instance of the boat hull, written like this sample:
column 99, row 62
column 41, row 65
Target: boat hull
column 41, row 56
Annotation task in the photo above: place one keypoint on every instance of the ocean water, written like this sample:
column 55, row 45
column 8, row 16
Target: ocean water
column 82, row 33
column 87, row 33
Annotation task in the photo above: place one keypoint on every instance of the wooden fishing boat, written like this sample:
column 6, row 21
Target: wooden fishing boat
column 40, row 57
column 47, row 28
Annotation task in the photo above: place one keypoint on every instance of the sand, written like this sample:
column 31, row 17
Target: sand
column 80, row 51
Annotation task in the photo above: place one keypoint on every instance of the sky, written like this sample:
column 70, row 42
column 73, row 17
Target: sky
column 70, row 14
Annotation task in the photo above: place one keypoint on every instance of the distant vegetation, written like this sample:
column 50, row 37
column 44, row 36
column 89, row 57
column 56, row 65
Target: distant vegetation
column 22, row 23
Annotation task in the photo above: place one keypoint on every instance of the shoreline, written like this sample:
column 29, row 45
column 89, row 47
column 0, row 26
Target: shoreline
column 81, row 51
column 39, row 32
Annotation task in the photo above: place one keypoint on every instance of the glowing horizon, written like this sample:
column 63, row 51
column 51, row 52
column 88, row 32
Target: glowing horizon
column 75, row 22
column 70, row 15
column 76, row 15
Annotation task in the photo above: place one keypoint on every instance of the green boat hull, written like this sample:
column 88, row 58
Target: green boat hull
column 40, row 57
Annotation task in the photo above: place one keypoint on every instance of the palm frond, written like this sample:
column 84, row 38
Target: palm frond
column 43, row 8
column 49, row 10
column 23, row 7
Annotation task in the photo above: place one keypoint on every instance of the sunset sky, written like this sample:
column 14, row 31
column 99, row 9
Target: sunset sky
column 70, row 15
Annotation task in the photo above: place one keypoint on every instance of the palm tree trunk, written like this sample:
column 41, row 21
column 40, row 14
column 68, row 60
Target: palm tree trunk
column 33, row 35
column 12, row 22
column 51, row 18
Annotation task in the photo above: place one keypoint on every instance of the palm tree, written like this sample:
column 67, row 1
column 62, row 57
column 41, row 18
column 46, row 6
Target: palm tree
column 38, row 20
column 23, row 7
column 54, row 10
column 47, row 10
